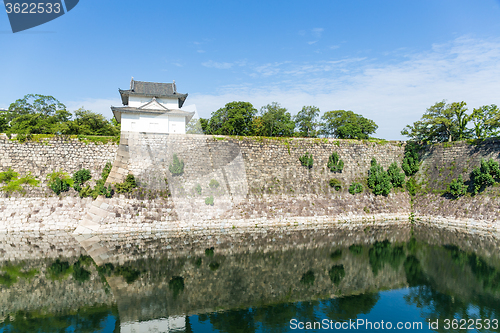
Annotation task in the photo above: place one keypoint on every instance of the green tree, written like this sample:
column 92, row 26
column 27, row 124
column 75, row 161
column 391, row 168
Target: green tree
column 486, row 121
column 440, row 123
column 306, row 123
column 233, row 119
column 39, row 123
column 347, row 125
column 87, row 122
column 33, row 104
column 276, row 121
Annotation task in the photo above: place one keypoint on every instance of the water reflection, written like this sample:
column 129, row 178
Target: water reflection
column 245, row 280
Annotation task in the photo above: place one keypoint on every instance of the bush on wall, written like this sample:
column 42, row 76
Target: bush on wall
column 335, row 183
column 457, row 187
column 335, row 164
column 378, row 179
column 485, row 174
column 307, row 160
column 13, row 183
column 59, row 181
column 127, row 186
column 355, row 188
column 396, row 176
column 177, row 166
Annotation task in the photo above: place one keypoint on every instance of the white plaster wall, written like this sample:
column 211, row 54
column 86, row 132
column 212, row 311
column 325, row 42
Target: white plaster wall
column 170, row 103
column 177, row 125
column 145, row 123
column 137, row 101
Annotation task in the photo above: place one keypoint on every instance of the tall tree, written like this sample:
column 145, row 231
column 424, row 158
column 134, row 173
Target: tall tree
column 234, row 118
column 486, row 121
column 347, row 125
column 34, row 103
column 440, row 123
column 306, row 121
column 276, row 121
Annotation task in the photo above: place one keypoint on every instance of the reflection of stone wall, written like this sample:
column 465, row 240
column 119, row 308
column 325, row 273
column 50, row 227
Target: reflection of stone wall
column 45, row 296
column 254, row 268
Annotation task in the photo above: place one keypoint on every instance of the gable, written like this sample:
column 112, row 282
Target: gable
column 153, row 105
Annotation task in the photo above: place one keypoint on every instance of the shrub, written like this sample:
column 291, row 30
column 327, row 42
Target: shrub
column 336, row 184
column 13, row 184
column 355, row 188
column 209, row 201
column 59, row 181
column 306, row 160
column 411, row 159
column 106, row 170
column 335, row 164
column 378, row 179
column 336, row 273
column 80, row 177
column 485, row 175
column 396, row 176
column 7, row 176
column 213, row 184
column 127, row 186
column 86, row 192
column 411, row 186
column 197, row 189
column 457, row 187
column 177, row 166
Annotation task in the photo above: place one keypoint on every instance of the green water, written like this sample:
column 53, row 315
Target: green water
column 286, row 280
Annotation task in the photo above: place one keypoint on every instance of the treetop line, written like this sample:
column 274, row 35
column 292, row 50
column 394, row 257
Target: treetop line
column 442, row 122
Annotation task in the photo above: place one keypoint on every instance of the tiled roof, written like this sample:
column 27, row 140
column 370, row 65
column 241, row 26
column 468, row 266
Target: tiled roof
column 152, row 89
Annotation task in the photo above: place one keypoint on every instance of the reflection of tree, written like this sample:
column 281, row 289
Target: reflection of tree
column 90, row 319
column 349, row 307
column 436, row 305
column 415, row 275
column 276, row 318
column 488, row 276
column 231, row 321
column 383, row 252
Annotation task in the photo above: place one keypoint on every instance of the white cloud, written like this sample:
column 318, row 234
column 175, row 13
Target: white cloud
column 102, row 106
column 393, row 95
column 218, row 65
column 316, row 32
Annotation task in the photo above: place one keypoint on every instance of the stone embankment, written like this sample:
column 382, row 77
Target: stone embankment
column 252, row 182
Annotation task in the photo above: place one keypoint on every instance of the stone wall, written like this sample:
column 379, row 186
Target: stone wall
column 258, row 181
column 441, row 164
column 53, row 154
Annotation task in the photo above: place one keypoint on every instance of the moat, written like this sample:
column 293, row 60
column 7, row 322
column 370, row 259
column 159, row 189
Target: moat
column 251, row 280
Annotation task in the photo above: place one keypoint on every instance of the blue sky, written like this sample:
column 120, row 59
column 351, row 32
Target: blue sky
column 386, row 60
